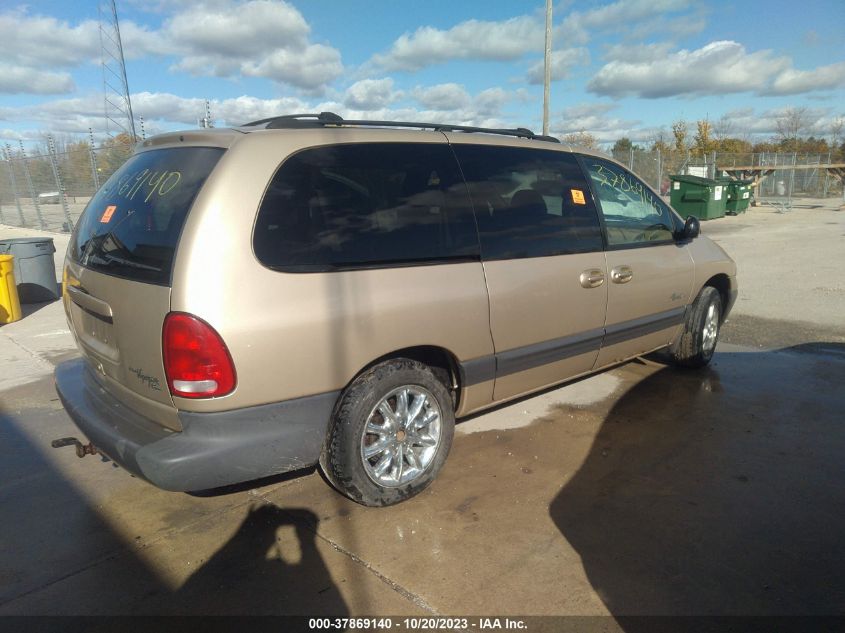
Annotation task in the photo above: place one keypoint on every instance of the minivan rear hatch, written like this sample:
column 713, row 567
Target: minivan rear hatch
column 119, row 268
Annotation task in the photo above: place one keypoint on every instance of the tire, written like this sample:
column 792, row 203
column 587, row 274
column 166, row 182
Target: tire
column 697, row 342
column 390, row 434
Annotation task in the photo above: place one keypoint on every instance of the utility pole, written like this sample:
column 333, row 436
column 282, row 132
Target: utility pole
column 547, row 63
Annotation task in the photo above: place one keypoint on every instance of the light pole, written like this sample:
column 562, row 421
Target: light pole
column 547, row 64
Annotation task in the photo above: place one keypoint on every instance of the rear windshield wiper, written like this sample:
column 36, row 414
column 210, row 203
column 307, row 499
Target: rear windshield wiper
column 108, row 258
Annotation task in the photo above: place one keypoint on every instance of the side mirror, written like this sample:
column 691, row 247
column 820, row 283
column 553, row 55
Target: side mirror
column 692, row 228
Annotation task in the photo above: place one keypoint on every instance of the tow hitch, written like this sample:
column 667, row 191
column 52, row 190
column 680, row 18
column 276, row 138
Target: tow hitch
column 81, row 449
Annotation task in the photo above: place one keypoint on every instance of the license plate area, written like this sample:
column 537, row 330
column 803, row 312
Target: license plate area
column 96, row 333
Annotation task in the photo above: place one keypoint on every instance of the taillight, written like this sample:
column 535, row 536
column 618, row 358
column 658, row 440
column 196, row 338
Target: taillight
column 196, row 360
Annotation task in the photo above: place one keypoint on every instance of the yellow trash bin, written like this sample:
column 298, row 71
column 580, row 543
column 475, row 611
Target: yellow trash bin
column 10, row 306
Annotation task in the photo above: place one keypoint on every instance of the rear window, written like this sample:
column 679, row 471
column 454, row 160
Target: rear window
column 366, row 205
column 132, row 224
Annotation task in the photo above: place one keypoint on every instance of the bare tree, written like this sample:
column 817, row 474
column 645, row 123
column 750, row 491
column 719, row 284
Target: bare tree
column 791, row 123
column 723, row 128
column 659, row 140
column 836, row 126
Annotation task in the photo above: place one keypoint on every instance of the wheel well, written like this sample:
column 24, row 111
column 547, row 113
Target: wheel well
column 441, row 361
column 723, row 285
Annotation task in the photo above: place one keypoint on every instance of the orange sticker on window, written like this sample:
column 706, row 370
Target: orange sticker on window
column 578, row 196
column 108, row 213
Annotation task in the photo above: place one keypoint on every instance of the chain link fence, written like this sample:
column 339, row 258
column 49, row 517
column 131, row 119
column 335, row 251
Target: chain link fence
column 802, row 175
column 48, row 190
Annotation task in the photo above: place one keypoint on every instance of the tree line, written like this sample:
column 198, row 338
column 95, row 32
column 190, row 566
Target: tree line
column 703, row 137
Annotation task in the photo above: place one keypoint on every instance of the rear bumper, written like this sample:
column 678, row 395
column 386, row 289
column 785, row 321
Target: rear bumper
column 212, row 450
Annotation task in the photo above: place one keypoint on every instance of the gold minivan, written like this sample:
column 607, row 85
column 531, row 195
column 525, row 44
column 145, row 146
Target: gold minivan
column 305, row 290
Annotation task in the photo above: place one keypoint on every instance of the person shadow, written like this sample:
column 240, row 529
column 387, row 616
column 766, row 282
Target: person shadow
column 259, row 573
column 61, row 554
column 717, row 492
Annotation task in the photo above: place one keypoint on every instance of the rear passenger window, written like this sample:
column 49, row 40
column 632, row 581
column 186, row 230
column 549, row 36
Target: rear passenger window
column 371, row 204
column 529, row 203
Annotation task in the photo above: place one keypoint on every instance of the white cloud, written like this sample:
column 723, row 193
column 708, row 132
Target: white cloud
column 579, row 26
column 21, row 80
column 442, row 97
column 587, row 109
column 792, row 81
column 249, row 29
column 36, row 41
column 173, row 6
column 473, row 39
column 244, row 109
column 653, row 71
column 139, row 41
column 717, row 68
column 750, row 122
column 169, row 108
column 594, row 118
column 512, row 39
column 638, row 53
column 662, row 26
column 452, row 103
column 563, row 61
column 370, row 94
column 160, row 111
column 260, row 38
column 165, row 111
column 491, row 101
column 310, row 68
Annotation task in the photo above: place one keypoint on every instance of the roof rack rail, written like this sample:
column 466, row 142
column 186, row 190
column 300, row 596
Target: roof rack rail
column 298, row 121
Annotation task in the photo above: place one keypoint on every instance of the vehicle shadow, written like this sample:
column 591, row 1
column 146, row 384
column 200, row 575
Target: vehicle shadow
column 64, row 554
column 717, row 492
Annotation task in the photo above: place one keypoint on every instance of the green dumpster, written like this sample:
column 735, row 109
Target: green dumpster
column 702, row 197
column 739, row 195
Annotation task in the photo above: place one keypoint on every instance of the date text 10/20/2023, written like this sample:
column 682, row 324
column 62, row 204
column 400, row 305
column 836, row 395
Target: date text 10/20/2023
column 417, row 624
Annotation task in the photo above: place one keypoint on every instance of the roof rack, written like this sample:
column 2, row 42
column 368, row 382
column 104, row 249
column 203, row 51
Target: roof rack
column 299, row 121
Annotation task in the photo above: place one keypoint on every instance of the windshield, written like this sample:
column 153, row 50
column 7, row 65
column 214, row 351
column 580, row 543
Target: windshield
column 132, row 224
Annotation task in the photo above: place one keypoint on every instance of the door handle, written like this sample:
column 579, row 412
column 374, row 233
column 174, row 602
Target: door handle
column 92, row 304
column 592, row 278
column 621, row 274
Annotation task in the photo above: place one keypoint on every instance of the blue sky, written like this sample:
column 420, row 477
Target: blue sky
column 624, row 68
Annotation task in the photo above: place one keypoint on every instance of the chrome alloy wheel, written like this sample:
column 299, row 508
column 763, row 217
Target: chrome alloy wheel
column 401, row 436
column 711, row 328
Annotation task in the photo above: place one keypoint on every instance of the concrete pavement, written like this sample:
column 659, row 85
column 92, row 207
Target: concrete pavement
column 29, row 348
column 643, row 490
column 715, row 492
